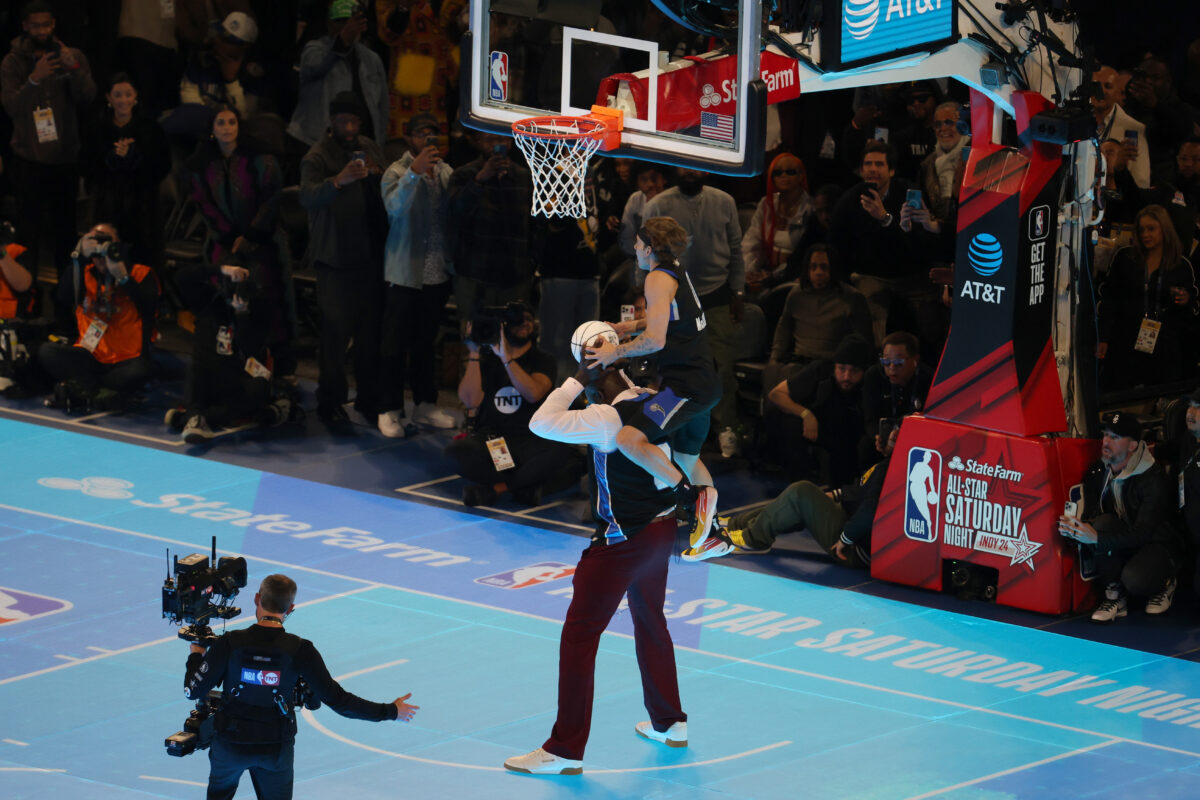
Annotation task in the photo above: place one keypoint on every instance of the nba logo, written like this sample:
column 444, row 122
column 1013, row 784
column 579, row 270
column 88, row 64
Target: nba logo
column 498, row 77
column 1039, row 223
column 923, row 499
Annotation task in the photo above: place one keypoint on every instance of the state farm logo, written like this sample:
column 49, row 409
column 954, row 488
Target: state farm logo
column 860, row 17
column 974, row 467
column 709, row 96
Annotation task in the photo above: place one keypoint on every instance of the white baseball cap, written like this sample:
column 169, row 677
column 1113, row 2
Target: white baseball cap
column 240, row 26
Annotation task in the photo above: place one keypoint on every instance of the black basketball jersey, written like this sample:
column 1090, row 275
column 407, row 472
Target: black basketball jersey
column 685, row 362
column 625, row 498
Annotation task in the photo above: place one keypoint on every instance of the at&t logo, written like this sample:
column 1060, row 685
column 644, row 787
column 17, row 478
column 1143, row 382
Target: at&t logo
column 986, row 256
column 860, row 17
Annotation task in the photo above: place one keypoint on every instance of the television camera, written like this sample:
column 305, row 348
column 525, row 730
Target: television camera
column 198, row 592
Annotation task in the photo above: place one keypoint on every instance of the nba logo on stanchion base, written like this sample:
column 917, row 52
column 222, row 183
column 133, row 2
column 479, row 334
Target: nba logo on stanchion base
column 923, row 501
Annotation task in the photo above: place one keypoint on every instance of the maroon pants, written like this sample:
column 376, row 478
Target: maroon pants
column 637, row 567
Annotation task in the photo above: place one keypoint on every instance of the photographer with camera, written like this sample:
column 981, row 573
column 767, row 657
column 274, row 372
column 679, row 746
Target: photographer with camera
column 507, row 379
column 15, row 304
column 230, row 376
column 114, row 304
column 259, row 667
column 418, row 285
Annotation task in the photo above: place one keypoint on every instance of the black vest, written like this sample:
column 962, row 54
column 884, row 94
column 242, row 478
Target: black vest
column 259, row 689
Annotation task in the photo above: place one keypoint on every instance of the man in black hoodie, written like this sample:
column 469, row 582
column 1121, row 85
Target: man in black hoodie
column 340, row 186
column 1126, row 523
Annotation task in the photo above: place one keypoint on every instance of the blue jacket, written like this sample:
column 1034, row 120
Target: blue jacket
column 324, row 71
column 409, row 201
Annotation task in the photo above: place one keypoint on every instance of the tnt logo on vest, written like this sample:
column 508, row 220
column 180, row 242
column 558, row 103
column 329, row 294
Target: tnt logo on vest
column 260, row 677
column 924, row 499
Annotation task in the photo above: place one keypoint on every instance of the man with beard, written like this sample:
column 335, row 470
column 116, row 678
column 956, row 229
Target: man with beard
column 340, row 187
column 713, row 262
column 1126, row 522
column 44, row 86
column 502, row 387
column 818, row 413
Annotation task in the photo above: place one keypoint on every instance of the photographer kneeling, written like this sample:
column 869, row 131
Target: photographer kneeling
column 259, row 667
column 16, row 305
column 507, row 378
column 230, row 375
column 114, row 312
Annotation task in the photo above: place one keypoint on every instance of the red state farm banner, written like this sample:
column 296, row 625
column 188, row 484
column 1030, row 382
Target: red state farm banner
column 959, row 494
column 704, row 84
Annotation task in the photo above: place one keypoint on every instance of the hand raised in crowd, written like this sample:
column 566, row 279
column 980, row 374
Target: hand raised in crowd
column 921, row 216
column 472, row 345
column 66, row 55
column 612, row 223
column 122, row 146
column 428, row 158
column 46, row 66
column 354, row 171
column 115, row 268
column 872, row 203
column 1141, row 91
column 500, row 348
column 404, row 711
column 353, row 30
column 235, row 273
column 1129, row 147
column 496, row 166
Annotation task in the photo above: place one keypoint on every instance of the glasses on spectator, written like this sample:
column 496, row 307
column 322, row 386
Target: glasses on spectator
column 777, row 172
column 892, row 362
column 944, row 123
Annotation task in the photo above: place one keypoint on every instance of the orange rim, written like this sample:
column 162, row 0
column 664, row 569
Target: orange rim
column 570, row 128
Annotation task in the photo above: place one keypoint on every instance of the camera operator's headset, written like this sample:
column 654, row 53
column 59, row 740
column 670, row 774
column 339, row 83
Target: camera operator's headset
column 259, row 690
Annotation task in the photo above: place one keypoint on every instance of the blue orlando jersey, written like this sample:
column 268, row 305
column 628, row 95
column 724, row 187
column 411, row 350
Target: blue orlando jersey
column 626, row 498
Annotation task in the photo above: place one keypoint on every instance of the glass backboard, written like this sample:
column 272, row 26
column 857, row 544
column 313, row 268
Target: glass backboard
column 684, row 72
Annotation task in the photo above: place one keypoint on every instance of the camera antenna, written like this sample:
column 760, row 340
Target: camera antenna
column 168, row 563
column 214, row 552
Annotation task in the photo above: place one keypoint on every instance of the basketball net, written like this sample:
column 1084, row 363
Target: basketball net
column 558, row 150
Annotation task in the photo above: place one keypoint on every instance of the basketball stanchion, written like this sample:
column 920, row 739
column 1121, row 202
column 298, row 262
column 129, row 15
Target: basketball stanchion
column 558, row 150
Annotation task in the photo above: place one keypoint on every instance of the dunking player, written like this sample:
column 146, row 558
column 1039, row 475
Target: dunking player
column 674, row 330
column 629, row 553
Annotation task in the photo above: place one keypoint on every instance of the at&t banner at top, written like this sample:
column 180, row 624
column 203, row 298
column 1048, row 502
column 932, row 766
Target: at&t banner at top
column 861, row 31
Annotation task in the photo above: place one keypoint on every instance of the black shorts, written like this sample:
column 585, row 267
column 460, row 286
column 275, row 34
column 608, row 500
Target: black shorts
column 681, row 421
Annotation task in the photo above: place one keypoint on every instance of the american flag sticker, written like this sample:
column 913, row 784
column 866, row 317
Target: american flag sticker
column 716, row 126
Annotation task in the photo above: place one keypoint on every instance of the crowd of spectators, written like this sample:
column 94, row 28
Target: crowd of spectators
column 209, row 114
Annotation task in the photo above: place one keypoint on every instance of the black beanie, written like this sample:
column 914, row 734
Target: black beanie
column 856, row 351
column 347, row 103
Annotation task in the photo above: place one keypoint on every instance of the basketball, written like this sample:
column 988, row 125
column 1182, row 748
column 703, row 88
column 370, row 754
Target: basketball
column 587, row 333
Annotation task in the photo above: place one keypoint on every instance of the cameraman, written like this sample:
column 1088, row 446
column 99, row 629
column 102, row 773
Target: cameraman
column 256, row 722
column 230, row 375
column 15, row 304
column 114, row 313
column 504, row 384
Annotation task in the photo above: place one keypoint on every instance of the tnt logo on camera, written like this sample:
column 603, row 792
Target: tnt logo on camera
column 260, row 677
column 923, row 500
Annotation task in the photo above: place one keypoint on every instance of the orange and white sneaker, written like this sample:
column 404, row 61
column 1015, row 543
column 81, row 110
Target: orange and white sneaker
column 715, row 545
column 705, row 511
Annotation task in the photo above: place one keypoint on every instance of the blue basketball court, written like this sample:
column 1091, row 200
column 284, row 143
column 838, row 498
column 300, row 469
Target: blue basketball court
column 793, row 689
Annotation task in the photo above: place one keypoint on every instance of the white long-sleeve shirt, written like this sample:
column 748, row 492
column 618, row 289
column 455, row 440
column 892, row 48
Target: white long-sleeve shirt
column 596, row 426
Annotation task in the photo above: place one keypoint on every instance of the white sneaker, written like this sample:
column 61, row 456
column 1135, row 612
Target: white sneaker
column 1113, row 606
column 728, row 442
column 539, row 762
column 1162, row 601
column 197, row 431
column 674, row 736
column 391, row 424
column 429, row 414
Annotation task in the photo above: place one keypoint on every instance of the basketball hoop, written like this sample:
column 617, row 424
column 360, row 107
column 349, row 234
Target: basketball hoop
column 558, row 150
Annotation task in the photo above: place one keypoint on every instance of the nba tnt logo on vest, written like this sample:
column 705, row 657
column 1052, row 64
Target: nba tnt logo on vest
column 923, row 501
